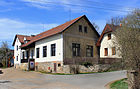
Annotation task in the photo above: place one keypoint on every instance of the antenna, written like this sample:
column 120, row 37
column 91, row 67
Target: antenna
column 70, row 14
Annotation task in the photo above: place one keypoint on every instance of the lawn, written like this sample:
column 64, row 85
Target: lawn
column 120, row 84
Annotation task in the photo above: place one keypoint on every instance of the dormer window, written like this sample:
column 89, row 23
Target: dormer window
column 109, row 36
column 25, row 40
column 80, row 28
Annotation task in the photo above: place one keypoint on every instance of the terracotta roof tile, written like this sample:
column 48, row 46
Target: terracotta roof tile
column 21, row 38
column 52, row 31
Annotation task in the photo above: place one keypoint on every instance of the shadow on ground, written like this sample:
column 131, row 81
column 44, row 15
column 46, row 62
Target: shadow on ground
column 5, row 82
column 1, row 72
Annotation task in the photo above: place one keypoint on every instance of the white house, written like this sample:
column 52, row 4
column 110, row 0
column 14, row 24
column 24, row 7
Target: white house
column 18, row 52
column 107, row 42
column 50, row 50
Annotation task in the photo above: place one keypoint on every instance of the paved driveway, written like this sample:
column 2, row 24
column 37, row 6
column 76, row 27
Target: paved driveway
column 16, row 79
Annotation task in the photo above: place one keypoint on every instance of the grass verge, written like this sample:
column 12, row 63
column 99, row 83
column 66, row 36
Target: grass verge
column 120, row 84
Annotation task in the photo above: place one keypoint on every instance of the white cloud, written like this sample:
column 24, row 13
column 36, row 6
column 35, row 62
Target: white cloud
column 50, row 5
column 4, row 3
column 9, row 27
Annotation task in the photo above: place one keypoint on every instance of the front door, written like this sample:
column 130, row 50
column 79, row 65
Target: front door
column 54, row 67
column 27, row 54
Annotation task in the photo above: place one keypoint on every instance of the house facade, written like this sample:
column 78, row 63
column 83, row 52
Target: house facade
column 19, row 53
column 50, row 50
column 107, row 42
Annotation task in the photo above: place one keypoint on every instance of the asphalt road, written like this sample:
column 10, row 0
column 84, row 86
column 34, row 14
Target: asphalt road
column 16, row 79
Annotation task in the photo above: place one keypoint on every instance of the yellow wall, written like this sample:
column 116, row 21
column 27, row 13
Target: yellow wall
column 72, row 35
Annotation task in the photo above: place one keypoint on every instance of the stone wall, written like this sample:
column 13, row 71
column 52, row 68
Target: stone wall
column 77, row 67
column 133, row 79
column 48, row 67
column 17, row 66
column 84, row 69
column 24, row 66
column 67, row 69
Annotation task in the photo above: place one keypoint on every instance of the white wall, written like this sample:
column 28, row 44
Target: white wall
column 25, row 53
column 105, row 43
column 56, row 39
column 17, row 52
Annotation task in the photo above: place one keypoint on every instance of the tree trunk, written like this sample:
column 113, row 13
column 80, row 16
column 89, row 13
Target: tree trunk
column 133, row 79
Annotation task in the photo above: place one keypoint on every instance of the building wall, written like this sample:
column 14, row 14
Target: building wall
column 56, row 39
column 105, row 43
column 30, row 51
column 17, row 52
column 72, row 35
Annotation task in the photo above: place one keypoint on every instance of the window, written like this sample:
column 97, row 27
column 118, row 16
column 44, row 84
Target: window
column 17, row 47
column 80, row 28
column 44, row 51
column 106, row 51
column 23, row 55
column 76, row 49
column 59, row 64
column 109, row 36
column 17, row 58
column 113, row 50
column 32, row 53
column 53, row 49
column 37, row 52
column 85, row 29
column 27, row 54
column 89, row 51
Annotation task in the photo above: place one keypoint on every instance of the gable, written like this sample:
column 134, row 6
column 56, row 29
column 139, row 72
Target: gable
column 84, row 22
column 21, row 38
column 108, row 28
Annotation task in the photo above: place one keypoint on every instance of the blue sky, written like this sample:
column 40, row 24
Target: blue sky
column 34, row 16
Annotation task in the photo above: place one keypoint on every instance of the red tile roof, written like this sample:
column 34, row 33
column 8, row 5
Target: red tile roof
column 21, row 38
column 52, row 31
column 108, row 28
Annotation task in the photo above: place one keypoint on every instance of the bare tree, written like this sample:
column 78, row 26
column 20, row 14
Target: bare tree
column 96, row 27
column 5, row 53
column 128, row 39
column 115, row 20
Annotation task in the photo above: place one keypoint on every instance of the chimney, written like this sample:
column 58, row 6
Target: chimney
column 32, row 35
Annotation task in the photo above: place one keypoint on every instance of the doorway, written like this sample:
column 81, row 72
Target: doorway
column 55, row 67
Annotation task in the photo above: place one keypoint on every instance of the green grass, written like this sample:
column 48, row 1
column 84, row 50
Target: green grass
column 120, row 84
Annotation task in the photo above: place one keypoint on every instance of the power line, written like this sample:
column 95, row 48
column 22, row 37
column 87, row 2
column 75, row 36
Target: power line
column 78, row 5
column 108, row 4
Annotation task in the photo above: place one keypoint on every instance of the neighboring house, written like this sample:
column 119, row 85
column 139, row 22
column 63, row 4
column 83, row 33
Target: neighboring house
column 73, row 40
column 18, row 53
column 107, row 42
